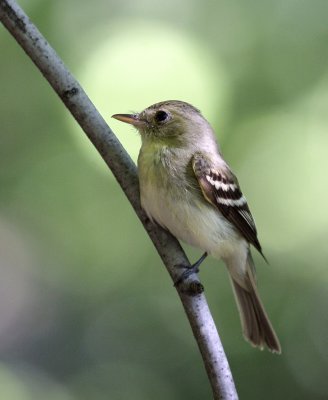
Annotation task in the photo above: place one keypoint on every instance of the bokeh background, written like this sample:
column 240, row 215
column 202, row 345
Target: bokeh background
column 87, row 311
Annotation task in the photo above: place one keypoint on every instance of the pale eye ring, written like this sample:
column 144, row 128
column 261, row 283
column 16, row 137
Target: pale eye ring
column 161, row 116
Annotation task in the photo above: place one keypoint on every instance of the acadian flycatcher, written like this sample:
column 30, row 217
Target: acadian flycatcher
column 187, row 187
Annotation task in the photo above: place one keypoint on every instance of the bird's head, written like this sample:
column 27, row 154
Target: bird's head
column 168, row 121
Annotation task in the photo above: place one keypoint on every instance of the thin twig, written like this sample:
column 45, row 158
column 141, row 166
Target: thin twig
column 111, row 150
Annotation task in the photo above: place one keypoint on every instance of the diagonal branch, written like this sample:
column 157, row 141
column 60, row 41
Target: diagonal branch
column 111, row 150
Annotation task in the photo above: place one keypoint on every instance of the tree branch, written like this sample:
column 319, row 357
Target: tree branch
column 111, row 150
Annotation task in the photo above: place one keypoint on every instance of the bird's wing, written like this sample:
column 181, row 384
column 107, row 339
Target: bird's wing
column 220, row 188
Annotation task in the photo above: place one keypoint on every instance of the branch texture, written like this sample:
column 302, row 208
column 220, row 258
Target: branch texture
column 124, row 170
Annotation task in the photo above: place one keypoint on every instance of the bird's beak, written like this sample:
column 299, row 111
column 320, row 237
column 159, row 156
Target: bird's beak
column 132, row 119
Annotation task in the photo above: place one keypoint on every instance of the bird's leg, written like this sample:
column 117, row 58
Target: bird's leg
column 193, row 269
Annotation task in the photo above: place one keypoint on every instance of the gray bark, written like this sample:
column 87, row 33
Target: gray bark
column 111, row 150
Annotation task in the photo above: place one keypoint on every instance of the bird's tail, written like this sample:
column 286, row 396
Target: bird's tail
column 256, row 325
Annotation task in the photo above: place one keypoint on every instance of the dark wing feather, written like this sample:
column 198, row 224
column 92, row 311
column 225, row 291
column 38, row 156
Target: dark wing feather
column 220, row 187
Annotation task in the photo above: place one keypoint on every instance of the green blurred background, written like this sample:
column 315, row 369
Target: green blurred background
column 87, row 311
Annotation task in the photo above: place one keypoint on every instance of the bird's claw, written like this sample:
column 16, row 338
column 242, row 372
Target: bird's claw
column 186, row 273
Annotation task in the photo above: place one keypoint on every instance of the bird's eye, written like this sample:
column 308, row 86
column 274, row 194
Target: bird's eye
column 161, row 116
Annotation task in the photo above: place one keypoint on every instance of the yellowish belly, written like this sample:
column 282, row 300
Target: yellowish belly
column 193, row 221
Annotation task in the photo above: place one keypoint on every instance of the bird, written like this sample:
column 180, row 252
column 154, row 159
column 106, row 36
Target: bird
column 188, row 188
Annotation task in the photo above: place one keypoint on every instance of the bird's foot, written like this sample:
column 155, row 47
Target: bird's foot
column 193, row 269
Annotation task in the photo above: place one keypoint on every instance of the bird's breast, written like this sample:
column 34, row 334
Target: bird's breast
column 172, row 198
column 164, row 183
